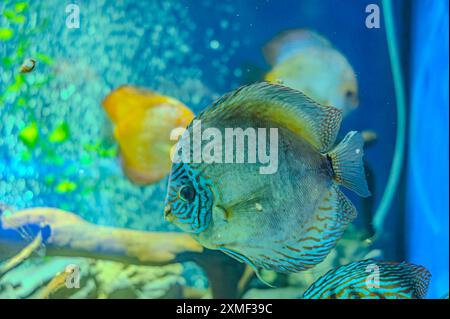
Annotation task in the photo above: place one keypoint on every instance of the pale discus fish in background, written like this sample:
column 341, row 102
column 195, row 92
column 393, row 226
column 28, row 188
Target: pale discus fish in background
column 306, row 61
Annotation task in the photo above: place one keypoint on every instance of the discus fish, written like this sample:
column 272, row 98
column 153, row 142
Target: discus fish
column 306, row 61
column 144, row 121
column 371, row 279
column 286, row 221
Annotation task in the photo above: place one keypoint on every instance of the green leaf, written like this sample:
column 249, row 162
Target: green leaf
column 20, row 6
column 17, row 85
column 44, row 58
column 13, row 17
column 21, row 101
column 60, row 134
column 7, row 61
column 29, row 135
column 65, row 186
column 6, row 34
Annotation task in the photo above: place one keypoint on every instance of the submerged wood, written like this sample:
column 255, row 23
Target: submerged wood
column 70, row 235
column 21, row 256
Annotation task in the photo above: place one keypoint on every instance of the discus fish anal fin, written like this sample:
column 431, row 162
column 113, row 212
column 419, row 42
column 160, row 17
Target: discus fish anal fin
column 347, row 164
column 345, row 209
column 282, row 106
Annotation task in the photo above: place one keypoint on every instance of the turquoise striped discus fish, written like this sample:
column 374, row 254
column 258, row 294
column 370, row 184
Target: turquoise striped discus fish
column 371, row 279
column 286, row 221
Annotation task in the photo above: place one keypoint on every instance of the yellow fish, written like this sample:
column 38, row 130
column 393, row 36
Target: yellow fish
column 306, row 61
column 144, row 122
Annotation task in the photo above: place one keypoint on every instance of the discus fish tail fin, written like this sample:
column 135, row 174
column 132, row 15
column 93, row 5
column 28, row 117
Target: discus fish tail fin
column 347, row 164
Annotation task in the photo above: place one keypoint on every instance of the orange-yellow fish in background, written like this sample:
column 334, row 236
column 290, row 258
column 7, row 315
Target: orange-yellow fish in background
column 144, row 121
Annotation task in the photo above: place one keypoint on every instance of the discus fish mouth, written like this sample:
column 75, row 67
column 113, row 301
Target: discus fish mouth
column 168, row 213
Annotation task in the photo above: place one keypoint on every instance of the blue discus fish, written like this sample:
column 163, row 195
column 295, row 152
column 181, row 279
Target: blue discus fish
column 371, row 279
column 285, row 221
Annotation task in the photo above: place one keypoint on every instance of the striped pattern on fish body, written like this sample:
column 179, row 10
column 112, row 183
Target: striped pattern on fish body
column 371, row 279
column 292, row 232
column 287, row 221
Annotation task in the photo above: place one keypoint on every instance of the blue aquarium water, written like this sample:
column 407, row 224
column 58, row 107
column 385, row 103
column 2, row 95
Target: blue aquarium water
column 90, row 89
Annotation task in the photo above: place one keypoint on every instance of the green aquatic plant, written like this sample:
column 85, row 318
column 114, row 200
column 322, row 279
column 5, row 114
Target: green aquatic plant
column 65, row 186
column 60, row 134
column 29, row 135
column 17, row 33
column 102, row 149
column 6, row 34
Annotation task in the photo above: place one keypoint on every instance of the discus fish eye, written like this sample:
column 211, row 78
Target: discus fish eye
column 187, row 193
column 349, row 94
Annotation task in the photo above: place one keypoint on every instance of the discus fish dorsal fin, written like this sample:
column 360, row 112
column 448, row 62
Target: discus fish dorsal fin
column 282, row 106
column 291, row 42
column 126, row 99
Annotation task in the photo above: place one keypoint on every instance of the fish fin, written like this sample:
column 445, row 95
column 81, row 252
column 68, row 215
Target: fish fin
column 126, row 99
column 420, row 279
column 243, row 259
column 249, row 202
column 282, row 106
column 345, row 209
column 348, row 167
column 291, row 42
column 388, row 280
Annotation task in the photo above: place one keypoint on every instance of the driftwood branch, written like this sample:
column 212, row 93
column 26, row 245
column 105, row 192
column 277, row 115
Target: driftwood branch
column 66, row 234
column 21, row 256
